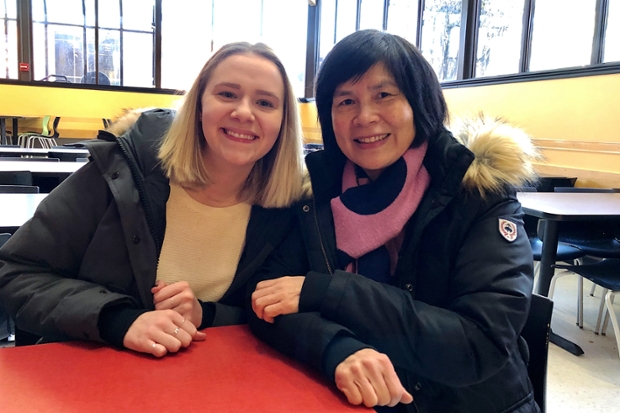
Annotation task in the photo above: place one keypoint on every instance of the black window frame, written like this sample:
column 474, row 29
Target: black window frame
column 467, row 48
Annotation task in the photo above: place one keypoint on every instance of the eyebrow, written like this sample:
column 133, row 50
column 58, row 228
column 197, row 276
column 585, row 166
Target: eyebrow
column 261, row 92
column 387, row 82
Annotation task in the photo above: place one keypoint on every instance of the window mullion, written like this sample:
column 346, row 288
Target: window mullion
column 526, row 37
column 358, row 15
column 158, row 43
column 386, row 6
column 600, row 26
column 312, row 48
column 470, row 14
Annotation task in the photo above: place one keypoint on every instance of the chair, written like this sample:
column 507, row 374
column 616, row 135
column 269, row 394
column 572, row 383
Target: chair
column 564, row 253
column 96, row 77
column 47, row 138
column 19, row 189
column 7, row 327
column 584, row 189
column 536, row 334
column 605, row 273
column 16, row 178
column 549, row 183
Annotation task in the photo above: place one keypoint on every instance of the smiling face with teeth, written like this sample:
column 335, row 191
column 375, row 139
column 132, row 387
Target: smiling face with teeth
column 372, row 120
column 242, row 112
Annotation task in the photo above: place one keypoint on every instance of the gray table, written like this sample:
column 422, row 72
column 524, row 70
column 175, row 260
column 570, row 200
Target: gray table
column 16, row 209
column 39, row 167
column 41, row 151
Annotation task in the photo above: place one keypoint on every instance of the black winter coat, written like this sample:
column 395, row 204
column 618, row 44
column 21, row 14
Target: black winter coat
column 93, row 244
column 450, row 322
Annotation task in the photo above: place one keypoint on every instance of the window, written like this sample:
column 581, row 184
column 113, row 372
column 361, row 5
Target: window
column 338, row 19
column 441, row 32
column 65, row 49
column 403, row 19
column 261, row 21
column 8, row 42
column 612, row 34
column 371, row 14
column 562, row 34
column 500, row 29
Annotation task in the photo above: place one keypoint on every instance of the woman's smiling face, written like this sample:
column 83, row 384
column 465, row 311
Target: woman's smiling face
column 242, row 111
column 372, row 120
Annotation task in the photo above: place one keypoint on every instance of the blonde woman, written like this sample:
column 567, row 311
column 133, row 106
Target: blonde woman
column 155, row 238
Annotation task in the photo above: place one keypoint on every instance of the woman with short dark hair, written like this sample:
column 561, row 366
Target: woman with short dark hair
column 409, row 277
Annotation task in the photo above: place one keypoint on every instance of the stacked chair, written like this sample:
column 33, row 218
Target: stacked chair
column 47, row 137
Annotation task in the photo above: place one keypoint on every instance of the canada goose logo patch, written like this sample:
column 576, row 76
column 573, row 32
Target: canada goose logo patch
column 508, row 230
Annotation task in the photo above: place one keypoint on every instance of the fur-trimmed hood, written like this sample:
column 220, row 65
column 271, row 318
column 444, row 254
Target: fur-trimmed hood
column 504, row 154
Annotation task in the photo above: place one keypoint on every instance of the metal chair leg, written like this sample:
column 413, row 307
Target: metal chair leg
column 601, row 309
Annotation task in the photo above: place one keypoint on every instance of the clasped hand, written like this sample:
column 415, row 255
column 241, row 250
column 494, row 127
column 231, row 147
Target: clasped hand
column 272, row 298
column 368, row 377
column 171, row 326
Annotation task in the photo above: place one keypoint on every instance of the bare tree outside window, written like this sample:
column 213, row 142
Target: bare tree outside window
column 500, row 28
column 8, row 39
column 441, row 28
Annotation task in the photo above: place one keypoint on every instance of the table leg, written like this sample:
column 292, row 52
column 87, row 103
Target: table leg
column 2, row 131
column 15, row 131
column 547, row 260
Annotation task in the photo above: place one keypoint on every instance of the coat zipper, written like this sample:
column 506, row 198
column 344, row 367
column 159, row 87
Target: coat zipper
column 318, row 230
column 142, row 193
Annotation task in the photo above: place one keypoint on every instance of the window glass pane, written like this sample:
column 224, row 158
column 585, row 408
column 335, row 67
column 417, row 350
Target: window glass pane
column 612, row 34
column 62, row 11
column 109, row 58
column 58, row 52
column 327, row 28
column 291, row 48
column 138, row 15
column 562, row 34
column 109, row 14
column 403, row 19
column 371, row 14
column 138, row 59
column 8, row 44
column 499, row 37
column 178, row 67
column 441, row 27
column 346, row 16
column 229, row 25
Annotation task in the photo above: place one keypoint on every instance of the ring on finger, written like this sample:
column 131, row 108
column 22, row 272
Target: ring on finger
column 176, row 330
column 154, row 345
column 181, row 325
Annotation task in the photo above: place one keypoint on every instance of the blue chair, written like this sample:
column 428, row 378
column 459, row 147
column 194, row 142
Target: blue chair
column 605, row 273
column 598, row 240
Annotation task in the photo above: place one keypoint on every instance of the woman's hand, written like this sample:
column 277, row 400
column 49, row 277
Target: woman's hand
column 276, row 297
column 160, row 332
column 368, row 377
column 179, row 297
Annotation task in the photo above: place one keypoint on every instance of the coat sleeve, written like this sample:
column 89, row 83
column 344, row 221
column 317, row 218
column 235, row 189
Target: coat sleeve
column 307, row 337
column 471, row 335
column 41, row 284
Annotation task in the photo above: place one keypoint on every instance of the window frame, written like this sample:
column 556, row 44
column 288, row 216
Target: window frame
column 467, row 49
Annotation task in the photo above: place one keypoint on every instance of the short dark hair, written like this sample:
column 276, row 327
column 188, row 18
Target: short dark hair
column 355, row 54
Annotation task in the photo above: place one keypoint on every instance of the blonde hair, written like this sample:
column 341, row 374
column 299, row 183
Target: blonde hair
column 276, row 179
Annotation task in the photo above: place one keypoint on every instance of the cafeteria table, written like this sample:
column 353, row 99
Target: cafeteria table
column 553, row 207
column 40, row 167
column 15, row 209
column 17, row 151
column 231, row 371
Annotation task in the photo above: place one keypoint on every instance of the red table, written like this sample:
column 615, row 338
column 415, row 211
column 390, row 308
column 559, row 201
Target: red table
column 229, row 372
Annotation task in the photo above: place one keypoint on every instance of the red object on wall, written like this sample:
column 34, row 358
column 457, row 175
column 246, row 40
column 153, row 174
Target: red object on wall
column 24, row 67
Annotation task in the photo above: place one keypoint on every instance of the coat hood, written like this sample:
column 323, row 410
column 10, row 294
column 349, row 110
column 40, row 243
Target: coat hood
column 504, row 154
